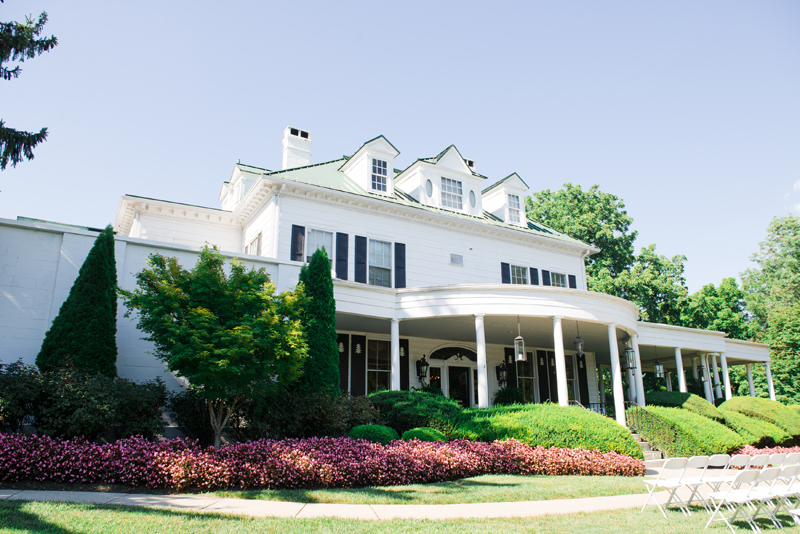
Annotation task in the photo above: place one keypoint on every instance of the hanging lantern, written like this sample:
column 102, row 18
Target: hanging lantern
column 502, row 374
column 578, row 341
column 701, row 370
column 658, row 369
column 422, row 368
column 519, row 346
column 630, row 358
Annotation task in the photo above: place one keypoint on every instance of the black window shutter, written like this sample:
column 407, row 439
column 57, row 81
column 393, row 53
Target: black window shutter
column 505, row 273
column 541, row 367
column 583, row 381
column 298, row 242
column 358, row 360
column 534, row 276
column 343, row 342
column 551, row 363
column 573, row 282
column 404, row 360
column 361, row 259
column 511, row 366
column 342, row 243
column 399, row 265
column 545, row 278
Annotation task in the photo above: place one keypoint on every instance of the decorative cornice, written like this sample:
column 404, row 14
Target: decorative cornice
column 130, row 206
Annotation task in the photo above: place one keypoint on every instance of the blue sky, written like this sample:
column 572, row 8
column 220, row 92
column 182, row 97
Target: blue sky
column 689, row 111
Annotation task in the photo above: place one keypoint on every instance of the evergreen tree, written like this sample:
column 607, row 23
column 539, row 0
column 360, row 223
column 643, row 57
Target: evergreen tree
column 18, row 42
column 85, row 329
column 321, row 369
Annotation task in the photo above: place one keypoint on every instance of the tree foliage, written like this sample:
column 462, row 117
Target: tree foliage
column 720, row 308
column 594, row 217
column 772, row 292
column 18, row 42
column 229, row 335
column 321, row 368
column 85, row 330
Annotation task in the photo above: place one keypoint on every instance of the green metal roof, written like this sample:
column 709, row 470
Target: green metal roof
column 503, row 180
column 328, row 176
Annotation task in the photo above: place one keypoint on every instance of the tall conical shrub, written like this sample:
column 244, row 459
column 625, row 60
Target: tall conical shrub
column 85, row 330
column 321, row 368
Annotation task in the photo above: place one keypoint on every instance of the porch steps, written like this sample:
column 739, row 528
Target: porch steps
column 652, row 458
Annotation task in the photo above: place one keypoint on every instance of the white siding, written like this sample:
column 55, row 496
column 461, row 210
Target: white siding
column 192, row 234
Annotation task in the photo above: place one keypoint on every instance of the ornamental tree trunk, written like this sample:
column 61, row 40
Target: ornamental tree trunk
column 220, row 417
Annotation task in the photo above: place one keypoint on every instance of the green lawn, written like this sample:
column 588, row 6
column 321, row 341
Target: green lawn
column 486, row 488
column 61, row 518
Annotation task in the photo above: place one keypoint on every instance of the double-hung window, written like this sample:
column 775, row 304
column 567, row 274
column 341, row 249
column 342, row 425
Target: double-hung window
column 254, row 248
column 519, row 275
column 451, row 194
column 379, row 365
column 380, row 263
column 380, row 172
column 558, row 279
column 317, row 239
column 513, row 209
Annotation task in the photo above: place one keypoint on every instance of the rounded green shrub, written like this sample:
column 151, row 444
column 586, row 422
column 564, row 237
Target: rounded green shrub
column 405, row 410
column 767, row 410
column 755, row 432
column 375, row 433
column 547, row 425
column 508, row 395
column 423, row 434
column 698, row 435
column 687, row 401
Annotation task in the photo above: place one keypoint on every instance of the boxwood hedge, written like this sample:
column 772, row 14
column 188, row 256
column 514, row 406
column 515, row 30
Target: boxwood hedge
column 698, row 435
column 755, row 432
column 375, row 433
column 767, row 410
column 423, row 434
column 687, row 401
column 404, row 410
column 547, row 425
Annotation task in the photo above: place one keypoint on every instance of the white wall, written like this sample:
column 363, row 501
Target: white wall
column 189, row 233
column 428, row 246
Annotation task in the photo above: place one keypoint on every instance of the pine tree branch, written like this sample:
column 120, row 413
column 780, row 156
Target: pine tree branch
column 16, row 146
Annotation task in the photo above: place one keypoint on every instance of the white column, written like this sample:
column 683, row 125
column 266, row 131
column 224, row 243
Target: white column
column 616, row 375
column 669, row 381
column 726, row 378
column 638, row 372
column 707, row 377
column 749, row 370
column 717, row 388
column 770, row 385
column 561, row 366
column 395, row 372
column 483, row 375
column 694, row 369
column 679, row 370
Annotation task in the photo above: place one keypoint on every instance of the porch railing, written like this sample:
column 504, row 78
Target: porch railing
column 596, row 407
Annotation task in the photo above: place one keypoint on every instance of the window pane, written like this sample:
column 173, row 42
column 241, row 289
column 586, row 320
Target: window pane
column 525, row 369
column 519, row 275
column 526, row 385
column 378, row 355
column 451, row 193
column 380, row 254
column 377, row 380
column 513, row 216
column 316, row 240
column 436, row 376
column 379, row 174
column 513, row 202
column 379, row 276
column 558, row 279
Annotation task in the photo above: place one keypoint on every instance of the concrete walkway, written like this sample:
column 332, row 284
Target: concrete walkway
column 257, row 508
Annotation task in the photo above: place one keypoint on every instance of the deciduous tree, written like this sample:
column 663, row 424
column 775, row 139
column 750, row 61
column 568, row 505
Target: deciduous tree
column 229, row 335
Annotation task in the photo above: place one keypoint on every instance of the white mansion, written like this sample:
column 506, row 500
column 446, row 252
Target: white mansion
column 428, row 262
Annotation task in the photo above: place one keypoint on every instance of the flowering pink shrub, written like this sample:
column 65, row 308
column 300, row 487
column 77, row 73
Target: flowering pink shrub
column 752, row 451
column 290, row 463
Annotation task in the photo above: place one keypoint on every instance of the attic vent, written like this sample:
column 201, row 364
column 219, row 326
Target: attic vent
column 298, row 133
column 456, row 259
column 470, row 163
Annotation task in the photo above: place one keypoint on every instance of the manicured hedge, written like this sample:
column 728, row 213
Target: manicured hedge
column 698, row 435
column 424, row 434
column 547, row 425
column 404, row 410
column 767, row 410
column 755, row 432
column 291, row 463
column 795, row 407
column 687, row 401
column 374, row 433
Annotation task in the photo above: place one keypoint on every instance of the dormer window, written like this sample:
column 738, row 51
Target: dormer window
column 513, row 209
column 379, row 174
column 451, row 194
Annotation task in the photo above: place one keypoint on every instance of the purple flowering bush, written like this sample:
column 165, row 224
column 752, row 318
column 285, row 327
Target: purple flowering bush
column 290, row 463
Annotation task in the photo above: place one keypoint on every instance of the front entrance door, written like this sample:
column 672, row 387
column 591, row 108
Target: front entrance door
column 458, row 380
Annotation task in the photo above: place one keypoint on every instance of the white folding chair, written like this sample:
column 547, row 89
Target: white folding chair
column 793, row 458
column 736, row 497
column 694, row 483
column 762, row 497
column 711, row 475
column 778, row 459
column 759, row 461
column 784, row 493
column 670, row 484
column 740, row 461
